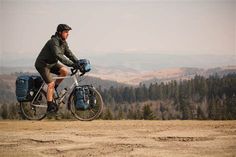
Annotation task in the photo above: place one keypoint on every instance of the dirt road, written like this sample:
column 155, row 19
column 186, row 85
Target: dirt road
column 118, row 138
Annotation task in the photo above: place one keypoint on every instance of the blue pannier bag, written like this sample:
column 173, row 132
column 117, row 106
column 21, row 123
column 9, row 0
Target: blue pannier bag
column 83, row 98
column 27, row 86
column 84, row 65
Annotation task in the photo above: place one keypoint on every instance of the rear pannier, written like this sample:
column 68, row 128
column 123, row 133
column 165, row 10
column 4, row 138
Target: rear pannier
column 27, row 86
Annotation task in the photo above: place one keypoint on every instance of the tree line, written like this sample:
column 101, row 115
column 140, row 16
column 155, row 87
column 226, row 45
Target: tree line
column 197, row 98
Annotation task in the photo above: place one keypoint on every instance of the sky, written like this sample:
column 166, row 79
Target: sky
column 179, row 27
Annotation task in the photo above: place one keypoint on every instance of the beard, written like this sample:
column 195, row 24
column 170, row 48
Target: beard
column 64, row 38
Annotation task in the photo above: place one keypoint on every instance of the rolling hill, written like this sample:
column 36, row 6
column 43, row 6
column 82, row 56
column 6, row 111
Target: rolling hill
column 104, row 78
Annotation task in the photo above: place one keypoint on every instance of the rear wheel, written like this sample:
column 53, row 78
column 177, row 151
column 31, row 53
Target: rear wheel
column 36, row 109
column 92, row 112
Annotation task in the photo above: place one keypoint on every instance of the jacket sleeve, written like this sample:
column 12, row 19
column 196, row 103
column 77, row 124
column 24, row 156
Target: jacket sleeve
column 55, row 47
column 69, row 54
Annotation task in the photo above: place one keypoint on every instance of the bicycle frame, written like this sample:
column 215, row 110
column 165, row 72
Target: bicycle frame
column 76, row 83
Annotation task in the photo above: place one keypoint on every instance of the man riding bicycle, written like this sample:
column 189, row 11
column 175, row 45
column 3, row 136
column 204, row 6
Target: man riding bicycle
column 56, row 49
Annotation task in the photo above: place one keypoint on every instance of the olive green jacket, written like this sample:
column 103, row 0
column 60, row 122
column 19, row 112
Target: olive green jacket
column 55, row 49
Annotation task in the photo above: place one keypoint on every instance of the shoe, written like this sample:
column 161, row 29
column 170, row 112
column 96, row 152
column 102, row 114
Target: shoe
column 52, row 107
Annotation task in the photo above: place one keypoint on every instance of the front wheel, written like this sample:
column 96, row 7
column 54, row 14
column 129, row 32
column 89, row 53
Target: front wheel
column 95, row 106
column 36, row 109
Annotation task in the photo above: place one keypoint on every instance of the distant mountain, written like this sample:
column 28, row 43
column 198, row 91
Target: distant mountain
column 134, row 77
column 184, row 73
column 139, row 67
column 133, row 68
column 151, row 61
column 115, row 76
column 104, row 78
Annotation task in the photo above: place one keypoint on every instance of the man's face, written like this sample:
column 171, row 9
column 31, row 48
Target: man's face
column 64, row 34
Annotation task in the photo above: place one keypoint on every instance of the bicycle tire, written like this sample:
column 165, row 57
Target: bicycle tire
column 78, row 113
column 27, row 107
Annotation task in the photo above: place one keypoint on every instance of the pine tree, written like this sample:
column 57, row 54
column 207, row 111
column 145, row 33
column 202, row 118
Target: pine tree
column 147, row 113
column 231, row 107
column 130, row 114
column 138, row 113
column 108, row 114
column 13, row 111
column 120, row 114
column 212, row 108
column 185, row 107
column 200, row 113
column 4, row 113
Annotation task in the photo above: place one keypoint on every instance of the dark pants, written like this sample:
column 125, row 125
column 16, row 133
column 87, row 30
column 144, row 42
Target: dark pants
column 45, row 72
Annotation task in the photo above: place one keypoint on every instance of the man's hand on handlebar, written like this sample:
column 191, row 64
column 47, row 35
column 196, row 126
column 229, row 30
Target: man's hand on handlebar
column 74, row 71
column 76, row 66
